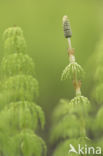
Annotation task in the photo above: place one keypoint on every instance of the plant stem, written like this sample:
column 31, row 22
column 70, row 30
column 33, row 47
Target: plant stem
column 69, row 42
column 76, row 82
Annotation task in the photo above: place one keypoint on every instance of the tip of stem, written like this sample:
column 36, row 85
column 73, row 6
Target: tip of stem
column 65, row 18
column 66, row 26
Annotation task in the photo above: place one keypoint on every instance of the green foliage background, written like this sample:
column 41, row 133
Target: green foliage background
column 41, row 22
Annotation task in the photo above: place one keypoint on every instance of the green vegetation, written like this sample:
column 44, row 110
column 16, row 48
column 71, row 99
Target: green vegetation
column 20, row 116
column 70, row 118
column 46, row 46
column 97, row 94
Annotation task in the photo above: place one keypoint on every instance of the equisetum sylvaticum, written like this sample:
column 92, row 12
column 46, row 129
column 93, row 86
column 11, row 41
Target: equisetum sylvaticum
column 20, row 116
column 70, row 117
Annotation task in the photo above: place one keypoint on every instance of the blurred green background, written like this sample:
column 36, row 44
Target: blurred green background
column 41, row 22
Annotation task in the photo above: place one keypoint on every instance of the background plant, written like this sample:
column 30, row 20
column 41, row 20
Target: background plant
column 20, row 116
column 97, row 93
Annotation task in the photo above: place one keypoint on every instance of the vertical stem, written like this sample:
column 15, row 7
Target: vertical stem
column 69, row 42
column 76, row 82
column 77, row 86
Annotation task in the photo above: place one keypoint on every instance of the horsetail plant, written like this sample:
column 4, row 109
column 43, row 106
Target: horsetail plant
column 20, row 116
column 70, row 117
column 97, row 94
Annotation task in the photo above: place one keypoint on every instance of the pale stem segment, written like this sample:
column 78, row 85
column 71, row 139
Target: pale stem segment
column 76, row 82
